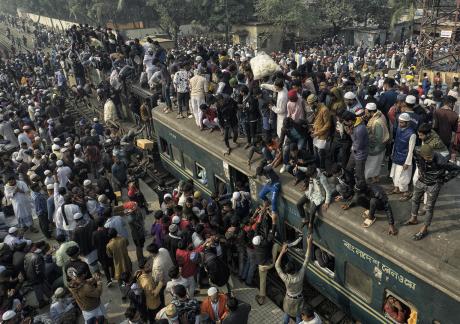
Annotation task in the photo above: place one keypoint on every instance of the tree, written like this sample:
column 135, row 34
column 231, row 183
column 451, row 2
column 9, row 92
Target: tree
column 286, row 14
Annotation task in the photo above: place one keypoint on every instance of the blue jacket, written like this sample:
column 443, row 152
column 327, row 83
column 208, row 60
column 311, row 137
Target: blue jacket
column 386, row 101
column 401, row 146
column 360, row 139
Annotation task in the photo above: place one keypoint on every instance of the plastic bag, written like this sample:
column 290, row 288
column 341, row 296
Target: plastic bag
column 263, row 65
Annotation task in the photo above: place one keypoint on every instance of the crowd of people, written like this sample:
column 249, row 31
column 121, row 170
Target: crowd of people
column 331, row 116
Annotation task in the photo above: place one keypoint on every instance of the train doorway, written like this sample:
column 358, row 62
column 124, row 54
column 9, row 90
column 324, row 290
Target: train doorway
column 238, row 180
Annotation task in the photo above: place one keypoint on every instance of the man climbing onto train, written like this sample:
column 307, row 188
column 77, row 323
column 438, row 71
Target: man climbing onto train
column 434, row 170
column 373, row 198
column 272, row 186
column 293, row 300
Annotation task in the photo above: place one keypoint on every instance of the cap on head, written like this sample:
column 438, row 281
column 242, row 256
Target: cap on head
column 426, row 152
column 349, row 95
column 410, row 99
column 371, row 106
column 212, row 291
column 175, row 220
column 256, row 240
column 404, row 117
column 12, row 230
column 311, row 99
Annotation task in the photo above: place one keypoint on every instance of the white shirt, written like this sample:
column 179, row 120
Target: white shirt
column 315, row 320
column 63, row 174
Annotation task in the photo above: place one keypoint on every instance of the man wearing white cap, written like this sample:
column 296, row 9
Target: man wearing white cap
column 12, row 238
column 9, row 317
column 401, row 169
column 18, row 193
column 24, row 137
column 352, row 102
column 214, row 307
column 378, row 137
column 63, row 173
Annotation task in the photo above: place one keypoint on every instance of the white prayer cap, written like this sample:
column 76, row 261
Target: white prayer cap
column 50, row 186
column 403, row 80
column 56, row 140
column 175, row 220
column 236, row 195
column 95, row 119
column 256, row 240
column 59, row 163
column 371, row 106
column 101, row 198
column 47, row 172
column 453, row 93
column 212, row 291
column 37, row 138
column 168, row 195
column 410, row 99
column 17, row 131
column 404, row 117
column 350, row 95
column 77, row 216
column 87, row 183
column 77, row 146
column 12, row 230
column 67, row 144
column 55, row 147
column 10, row 314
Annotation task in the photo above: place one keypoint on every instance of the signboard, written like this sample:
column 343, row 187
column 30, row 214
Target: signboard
column 446, row 33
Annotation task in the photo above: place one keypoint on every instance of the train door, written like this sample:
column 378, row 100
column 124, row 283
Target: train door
column 238, row 180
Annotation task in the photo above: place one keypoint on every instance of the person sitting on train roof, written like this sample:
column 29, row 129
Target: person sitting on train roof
column 208, row 118
column 298, row 161
column 373, row 198
column 272, row 186
column 344, row 184
column 318, row 193
column 434, row 170
column 292, row 133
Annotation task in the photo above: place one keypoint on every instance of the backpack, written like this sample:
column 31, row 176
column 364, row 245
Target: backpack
column 216, row 268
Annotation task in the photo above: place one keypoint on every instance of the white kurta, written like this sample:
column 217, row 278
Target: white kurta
column 374, row 165
column 281, row 106
column 22, row 204
column 401, row 178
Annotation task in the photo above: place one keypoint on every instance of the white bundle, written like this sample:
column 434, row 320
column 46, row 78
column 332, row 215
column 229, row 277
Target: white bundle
column 263, row 65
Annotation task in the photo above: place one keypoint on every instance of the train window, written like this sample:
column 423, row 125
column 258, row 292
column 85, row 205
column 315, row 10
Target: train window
column 176, row 155
column 358, row 281
column 188, row 164
column 220, row 185
column 295, row 237
column 397, row 310
column 164, row 146
column 201, row 174
column 324, row 260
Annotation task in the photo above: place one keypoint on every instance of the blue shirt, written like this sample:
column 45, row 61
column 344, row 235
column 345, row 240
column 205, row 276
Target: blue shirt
column 40, row 203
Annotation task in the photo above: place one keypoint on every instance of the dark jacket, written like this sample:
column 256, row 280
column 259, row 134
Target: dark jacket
column 34, row 267
column 239, row 316
column 360, row 140
column 439, row 170
column 386, row 101
column 136, row 224
column 83, row 235
column 227, row 113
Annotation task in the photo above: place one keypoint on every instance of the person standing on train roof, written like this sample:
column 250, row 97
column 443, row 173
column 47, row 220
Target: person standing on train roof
column 434, row 170
column 281, row 102
column 293, row 300
column 401, row 169
column 226, row 114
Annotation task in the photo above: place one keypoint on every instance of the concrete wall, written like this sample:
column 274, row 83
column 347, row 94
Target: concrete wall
column 47, row 21
column 261, row 37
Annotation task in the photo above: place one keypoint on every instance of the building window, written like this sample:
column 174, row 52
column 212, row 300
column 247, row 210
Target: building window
column 188, row 164
column 164, row 147
column 358, row 281
column 176, row 155
column 397, row 310
column 201, row 174
column 220, row 186
column 324, row 260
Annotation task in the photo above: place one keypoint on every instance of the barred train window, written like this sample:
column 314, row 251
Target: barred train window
column 176, row 155
column 358, row 281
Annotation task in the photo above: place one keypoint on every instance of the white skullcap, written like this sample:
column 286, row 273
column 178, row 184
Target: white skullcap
column 196, row 211
column 17, row 131
column 410, row 99
column 101, row 198
column 25, row 127
column 256, row 240
column 403, row 81
column 77, row 146
column 55, row 147
column 12, row 230
column 47, row 172
column 77, row 216
column 350, row 95
column 10, row 314
column 371, row 106
column 37, row 138
column 236, row 195
column 175, row 219
column 67, row 144
column 50, row 186
column 18, row 158
column 198, row 59
column 212, row 291
column 404, row 117
column 56, row 140
column 87, row 182
column 168, row 195
column 429, row 102
column 453, row 93
column 95, row 119
column 59, row 163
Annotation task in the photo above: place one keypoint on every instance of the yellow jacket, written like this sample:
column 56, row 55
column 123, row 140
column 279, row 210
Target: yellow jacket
column 152, row 292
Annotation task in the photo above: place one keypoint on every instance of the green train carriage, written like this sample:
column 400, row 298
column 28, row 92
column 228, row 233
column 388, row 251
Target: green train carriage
column 368, row 265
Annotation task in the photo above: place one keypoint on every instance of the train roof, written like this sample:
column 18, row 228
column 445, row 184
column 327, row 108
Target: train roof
column 435, row 259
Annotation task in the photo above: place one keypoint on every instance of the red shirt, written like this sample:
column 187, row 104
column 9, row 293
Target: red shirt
column 189, row 268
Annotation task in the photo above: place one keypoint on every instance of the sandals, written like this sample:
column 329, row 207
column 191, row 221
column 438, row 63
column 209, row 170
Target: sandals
column 419, row 236
column 365, row 214
column 410, row 222
column 368, row 222
column 405, row 197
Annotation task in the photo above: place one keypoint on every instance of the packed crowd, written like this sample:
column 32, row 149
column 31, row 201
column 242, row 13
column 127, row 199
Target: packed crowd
column 329, row 115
